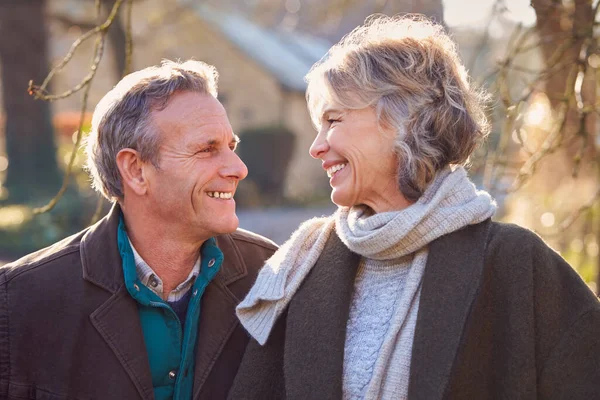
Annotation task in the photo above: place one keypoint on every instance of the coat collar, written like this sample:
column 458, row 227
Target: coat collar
column 316, row 325
column 100, row 257
column 315, row 350
column 100, row 243
column 452, row 279
column 117, row 320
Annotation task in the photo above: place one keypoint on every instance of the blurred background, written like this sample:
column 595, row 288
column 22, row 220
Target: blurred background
column 539, row 60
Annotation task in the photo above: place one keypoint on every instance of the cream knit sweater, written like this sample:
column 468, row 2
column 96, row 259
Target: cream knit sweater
column 394, row 240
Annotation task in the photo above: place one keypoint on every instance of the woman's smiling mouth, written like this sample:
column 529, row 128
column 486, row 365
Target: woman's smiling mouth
column 335, row 168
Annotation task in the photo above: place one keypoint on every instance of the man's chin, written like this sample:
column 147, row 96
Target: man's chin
column 228, row 226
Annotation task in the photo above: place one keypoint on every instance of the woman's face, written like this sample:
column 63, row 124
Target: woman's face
column 359, row 159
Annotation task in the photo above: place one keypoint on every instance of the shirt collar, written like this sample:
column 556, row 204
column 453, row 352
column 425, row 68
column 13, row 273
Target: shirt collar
column 150, row 279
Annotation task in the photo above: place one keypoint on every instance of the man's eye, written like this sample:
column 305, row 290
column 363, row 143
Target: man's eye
column 331, row 121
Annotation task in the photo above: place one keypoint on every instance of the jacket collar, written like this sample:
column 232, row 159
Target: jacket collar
column 100, row 243
column 117, row 320
column 315, row 351
column 452, row 279
column 100, row 257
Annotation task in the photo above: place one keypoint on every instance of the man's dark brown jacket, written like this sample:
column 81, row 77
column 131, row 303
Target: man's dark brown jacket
column 501, row 316
column 69, row 329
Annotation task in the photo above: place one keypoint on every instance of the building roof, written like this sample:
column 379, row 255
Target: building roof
column 286, row 55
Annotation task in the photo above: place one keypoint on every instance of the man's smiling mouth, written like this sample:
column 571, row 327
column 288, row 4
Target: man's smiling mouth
column 220, row 195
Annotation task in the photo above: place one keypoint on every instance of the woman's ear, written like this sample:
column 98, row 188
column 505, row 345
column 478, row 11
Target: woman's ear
column 131, row 168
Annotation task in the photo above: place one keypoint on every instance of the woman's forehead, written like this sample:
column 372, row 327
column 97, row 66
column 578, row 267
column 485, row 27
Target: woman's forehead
column 325, row 104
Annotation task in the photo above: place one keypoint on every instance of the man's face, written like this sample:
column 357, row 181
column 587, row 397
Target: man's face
column 192, row 190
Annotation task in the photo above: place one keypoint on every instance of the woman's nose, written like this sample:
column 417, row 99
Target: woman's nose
column 319, row 146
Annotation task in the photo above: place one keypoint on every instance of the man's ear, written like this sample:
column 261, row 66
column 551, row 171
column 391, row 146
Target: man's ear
column 131, row 168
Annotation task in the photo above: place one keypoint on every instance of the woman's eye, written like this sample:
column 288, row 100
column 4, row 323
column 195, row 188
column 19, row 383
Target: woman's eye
column 331, row 121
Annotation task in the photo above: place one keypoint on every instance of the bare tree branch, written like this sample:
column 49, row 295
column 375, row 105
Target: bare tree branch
column 39, row 92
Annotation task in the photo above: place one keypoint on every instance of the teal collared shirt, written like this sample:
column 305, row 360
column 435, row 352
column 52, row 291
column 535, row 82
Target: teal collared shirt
column 171, row 350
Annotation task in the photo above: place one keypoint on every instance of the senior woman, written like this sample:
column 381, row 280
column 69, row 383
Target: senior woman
column 409, row 290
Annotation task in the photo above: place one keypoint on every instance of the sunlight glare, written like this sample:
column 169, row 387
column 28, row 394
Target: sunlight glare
column 577, row 245
column 538, row 112
column 14, row 215
column 476, row 13
column 547, row 219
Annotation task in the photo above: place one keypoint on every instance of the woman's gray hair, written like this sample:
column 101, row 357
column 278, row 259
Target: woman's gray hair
column 408, row 70
column 122, row 119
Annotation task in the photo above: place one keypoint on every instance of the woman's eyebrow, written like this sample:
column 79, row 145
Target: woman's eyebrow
column 330, row 111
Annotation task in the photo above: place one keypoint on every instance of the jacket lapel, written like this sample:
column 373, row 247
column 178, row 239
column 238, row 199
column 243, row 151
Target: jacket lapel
column 118, row 323
column 315, row 350
column 451, row 281
column 117, row 319
column 217, row 312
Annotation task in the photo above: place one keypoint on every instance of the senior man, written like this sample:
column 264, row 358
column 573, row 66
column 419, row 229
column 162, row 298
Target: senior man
column 142, row 304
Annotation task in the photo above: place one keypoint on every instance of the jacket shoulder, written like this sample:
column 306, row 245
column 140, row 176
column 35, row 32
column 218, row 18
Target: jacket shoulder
column 39, row 261
column 247, row 253
column 505, row 239
column 248, row 248
column 507, row 232
column 518, row 253
column 242, row 235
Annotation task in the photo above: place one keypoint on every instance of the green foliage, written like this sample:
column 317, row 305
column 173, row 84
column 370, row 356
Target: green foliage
column 267, row 151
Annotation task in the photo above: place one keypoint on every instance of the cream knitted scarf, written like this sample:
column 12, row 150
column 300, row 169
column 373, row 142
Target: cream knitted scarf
column 451, row 202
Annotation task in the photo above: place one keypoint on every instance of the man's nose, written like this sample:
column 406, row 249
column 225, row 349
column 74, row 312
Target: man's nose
column 319, row 146
column 235, row 167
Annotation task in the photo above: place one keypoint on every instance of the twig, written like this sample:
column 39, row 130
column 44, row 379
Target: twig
column 572, row 90
column 567, row 222
column 549, row 145
column 39, row 92
column 128, row 38
column 85, row 84
column 582, row 132
column 97, row 57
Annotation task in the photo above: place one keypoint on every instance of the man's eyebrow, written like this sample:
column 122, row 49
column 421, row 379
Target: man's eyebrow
column 215, row 142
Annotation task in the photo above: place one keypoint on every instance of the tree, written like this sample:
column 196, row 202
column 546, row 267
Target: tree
column 570, row 25
column 33, row 171
column 552, row 167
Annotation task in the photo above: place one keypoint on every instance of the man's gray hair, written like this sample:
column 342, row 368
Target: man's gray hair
column 122, row 119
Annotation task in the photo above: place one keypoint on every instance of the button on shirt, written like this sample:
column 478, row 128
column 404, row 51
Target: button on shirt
column 149, row 278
